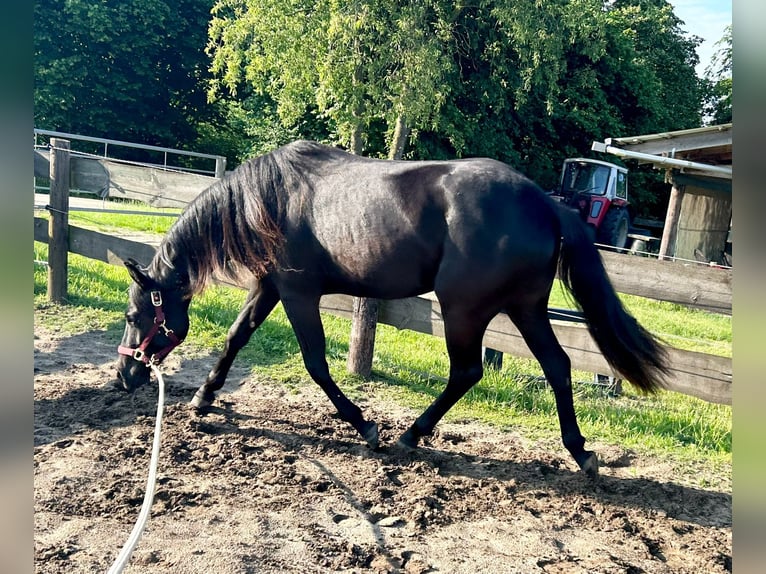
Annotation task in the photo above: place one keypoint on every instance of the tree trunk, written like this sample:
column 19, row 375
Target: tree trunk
column 361, row 345
column 399, row 140
column 357, row 141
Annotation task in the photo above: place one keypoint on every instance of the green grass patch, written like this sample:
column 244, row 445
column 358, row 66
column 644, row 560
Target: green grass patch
column 678, row 326
column 151, row 222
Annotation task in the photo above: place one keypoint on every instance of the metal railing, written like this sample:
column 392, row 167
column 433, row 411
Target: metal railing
column 218, row 171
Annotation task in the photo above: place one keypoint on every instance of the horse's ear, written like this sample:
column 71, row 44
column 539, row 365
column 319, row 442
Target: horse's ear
column 138, row 274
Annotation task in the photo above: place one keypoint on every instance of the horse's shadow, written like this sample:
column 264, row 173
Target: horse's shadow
column 106, row 406
column 665, row 498
column 96, row 400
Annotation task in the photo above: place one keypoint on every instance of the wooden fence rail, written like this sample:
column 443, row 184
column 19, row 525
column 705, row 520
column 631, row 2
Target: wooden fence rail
column 701, row 375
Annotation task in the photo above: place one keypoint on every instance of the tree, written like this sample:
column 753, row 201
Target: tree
column 717, row 107
column 134, row 71
column 365, row 66
column 538, row 82
column 526, row 83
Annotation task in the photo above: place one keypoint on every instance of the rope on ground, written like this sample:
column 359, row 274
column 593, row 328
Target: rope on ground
column 143, row 517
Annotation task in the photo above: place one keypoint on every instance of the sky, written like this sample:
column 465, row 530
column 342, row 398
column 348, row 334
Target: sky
column 706, row 19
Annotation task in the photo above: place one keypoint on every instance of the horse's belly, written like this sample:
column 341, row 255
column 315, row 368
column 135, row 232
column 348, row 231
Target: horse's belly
column 393, row 277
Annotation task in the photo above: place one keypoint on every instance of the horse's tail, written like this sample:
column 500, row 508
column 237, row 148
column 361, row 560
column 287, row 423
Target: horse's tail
column 627, row 346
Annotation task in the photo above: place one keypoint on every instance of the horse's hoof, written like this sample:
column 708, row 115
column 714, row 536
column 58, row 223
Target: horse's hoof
column 590, row 465
column 202, row 400
column 409, row 440
column 370, row 435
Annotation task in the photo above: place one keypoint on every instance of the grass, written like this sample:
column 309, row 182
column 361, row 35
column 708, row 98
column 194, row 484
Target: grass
column 106, row 222
column 411, row 367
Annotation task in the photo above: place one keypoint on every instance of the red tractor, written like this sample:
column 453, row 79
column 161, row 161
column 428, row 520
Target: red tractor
column 598, row 190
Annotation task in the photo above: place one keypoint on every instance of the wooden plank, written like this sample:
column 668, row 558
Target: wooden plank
column 689, row 284
column 100, row 246
column 682, row 143
column 154, row 186
column 707, row 377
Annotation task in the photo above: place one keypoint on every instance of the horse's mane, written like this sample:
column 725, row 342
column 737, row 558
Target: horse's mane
column 236, row 225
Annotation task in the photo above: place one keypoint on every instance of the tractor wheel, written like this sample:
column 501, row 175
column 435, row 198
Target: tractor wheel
column 614, row 229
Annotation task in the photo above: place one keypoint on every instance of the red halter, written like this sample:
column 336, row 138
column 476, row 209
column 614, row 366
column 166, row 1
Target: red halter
column 139, row 354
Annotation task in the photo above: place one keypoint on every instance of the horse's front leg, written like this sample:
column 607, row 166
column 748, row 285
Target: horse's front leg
column 304, row 317
column 260, row 301
column 461, row 379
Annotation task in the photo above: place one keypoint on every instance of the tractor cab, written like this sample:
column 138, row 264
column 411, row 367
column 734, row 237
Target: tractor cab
column 598, row 191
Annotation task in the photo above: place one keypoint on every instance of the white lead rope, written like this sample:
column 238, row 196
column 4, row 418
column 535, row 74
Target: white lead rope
column 143, row 517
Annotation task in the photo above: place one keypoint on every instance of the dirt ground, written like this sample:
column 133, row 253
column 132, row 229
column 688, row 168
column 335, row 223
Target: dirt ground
column 270, row 481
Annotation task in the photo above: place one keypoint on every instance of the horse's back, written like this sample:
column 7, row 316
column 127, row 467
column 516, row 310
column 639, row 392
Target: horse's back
column 388, row 229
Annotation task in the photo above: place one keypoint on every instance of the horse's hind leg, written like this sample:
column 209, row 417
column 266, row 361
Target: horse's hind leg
column 535, row 327
column 304, row 317
column 463, row 334
column 260, row 301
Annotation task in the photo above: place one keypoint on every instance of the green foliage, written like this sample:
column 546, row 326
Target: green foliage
column 527, row 83
column 133, row 71
column 251, row 127
column 719, row 83
column 351, row 63
column 662, row 68
column 539, row 82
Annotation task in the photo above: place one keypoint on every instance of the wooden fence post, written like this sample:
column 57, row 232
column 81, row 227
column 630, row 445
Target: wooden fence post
column 361, row 345
column 364, row 321
column 220, row 166
column 58, row 224
column 667, row 243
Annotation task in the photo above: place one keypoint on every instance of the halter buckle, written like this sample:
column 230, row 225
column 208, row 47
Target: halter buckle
column 165, row 331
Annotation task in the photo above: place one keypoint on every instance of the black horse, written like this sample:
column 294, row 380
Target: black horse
column 306, row 220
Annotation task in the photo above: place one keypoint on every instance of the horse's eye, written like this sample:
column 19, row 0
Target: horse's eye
column 131, row 318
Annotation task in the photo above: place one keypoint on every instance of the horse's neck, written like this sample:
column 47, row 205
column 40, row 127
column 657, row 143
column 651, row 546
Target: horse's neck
column 171, row 269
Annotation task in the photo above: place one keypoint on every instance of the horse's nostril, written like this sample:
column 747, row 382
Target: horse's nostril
column 121, row 383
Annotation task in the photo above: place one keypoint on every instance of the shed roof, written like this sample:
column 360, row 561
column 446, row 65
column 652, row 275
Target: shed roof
column 703, row 151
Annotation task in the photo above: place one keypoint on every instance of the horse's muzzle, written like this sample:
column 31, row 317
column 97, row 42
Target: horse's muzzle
column 131, row 374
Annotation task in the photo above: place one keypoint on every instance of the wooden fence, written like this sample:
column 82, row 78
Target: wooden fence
column 708, row 377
